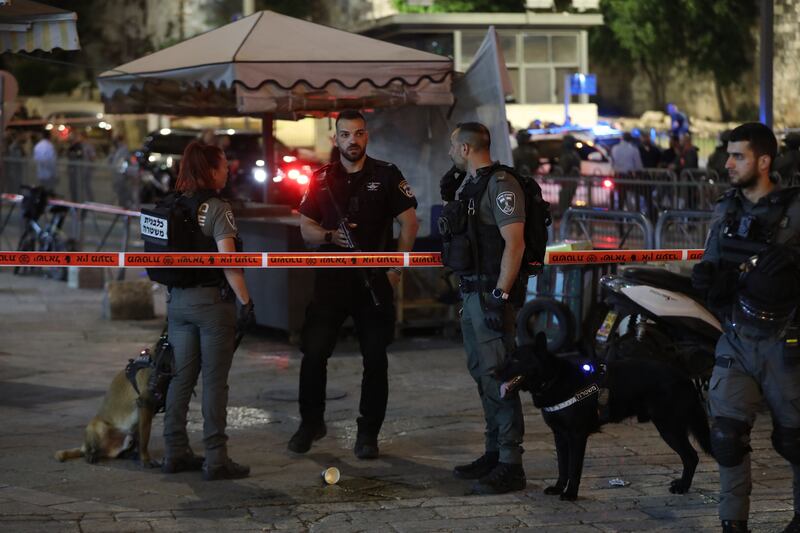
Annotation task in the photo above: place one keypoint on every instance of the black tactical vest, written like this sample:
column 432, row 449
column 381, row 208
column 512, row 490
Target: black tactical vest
column 469, row 246
column 743, row 235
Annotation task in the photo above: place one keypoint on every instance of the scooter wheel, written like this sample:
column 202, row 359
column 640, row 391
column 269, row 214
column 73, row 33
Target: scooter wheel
column 549, row 316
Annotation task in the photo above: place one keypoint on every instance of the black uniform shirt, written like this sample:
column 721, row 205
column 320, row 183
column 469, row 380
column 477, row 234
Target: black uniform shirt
column 370, row 198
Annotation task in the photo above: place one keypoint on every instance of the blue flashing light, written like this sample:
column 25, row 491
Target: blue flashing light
column 587, row 368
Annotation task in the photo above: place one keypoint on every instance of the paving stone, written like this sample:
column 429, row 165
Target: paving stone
column 35, row 497
column 40, row 526
column 410, row 488
column 88, row 506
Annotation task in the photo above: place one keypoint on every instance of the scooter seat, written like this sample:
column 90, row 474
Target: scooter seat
column 663, row 279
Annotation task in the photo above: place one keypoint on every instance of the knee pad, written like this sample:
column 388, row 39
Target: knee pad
column 728, row 438
column 786, row 442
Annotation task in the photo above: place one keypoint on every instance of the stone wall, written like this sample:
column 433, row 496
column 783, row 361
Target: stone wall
column 787, row 63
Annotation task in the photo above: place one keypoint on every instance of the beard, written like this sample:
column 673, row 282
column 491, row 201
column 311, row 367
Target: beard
column 745, row 183
column 460, row 165
column 353, row 155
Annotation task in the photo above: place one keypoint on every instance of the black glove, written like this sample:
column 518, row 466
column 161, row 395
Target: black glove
column 494, row 314
column 450, row 183
column 776, row 258
column 245, row 316
column 703, row 275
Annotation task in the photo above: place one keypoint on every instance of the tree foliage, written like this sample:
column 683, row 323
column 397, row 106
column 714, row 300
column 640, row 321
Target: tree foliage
column 706, row 36
column 462, row 6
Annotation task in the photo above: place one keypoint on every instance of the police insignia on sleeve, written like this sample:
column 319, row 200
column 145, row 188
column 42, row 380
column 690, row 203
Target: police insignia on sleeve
column 229, row 218
column 202, row 211
column 405, row 188
column 507, row 202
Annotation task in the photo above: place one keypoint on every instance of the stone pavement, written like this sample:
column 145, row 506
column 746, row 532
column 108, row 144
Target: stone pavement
column 57, row 357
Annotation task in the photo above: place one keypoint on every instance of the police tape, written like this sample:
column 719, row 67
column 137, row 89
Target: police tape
column 311, row 259
column 86, row 206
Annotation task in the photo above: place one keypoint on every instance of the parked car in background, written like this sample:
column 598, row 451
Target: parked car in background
column 595, row 157
column 157, row 164
column 249, row 174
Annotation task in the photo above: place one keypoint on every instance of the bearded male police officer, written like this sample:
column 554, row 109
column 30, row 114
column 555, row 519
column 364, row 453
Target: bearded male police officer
column 751, row 272
column 484, row 244
column 351, row 203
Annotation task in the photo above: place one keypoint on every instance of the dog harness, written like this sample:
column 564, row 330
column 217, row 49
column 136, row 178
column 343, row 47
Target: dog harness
column 134, row 365
column 581, row 395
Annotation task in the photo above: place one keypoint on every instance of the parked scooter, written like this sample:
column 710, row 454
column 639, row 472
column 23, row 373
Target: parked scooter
column 656, row 314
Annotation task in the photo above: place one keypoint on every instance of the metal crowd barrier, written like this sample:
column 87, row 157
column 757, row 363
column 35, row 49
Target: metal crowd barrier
column 607, row 229
column 648, row 191
column 682, row 228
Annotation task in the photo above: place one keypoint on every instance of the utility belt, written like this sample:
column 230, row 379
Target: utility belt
column 225, row 290
column 473, row 284
column 218, row 284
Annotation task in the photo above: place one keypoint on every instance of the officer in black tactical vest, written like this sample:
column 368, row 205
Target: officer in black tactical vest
column 202, row 319
column 350, row 206
column 751, row 273
column 484, row 224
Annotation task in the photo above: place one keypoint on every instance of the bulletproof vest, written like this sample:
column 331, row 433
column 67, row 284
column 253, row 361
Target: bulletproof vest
column 743, row 235
column 469, row 246
column 172, row 227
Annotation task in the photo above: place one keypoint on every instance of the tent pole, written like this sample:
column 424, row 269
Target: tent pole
column 267, row 122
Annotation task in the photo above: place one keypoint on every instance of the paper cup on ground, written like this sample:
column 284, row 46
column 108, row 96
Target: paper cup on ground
column 330, row 476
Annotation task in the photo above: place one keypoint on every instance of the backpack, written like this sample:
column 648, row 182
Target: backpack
column 537, row 220
column 171, row 226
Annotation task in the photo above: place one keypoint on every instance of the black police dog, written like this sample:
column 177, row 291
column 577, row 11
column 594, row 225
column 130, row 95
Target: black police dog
column 573, row 403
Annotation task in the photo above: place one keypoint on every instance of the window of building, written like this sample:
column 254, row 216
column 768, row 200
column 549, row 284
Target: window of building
column 536, row 61
column 435, row 43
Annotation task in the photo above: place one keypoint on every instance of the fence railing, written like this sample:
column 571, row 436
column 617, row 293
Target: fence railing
column 648, row 192
column 607, row 229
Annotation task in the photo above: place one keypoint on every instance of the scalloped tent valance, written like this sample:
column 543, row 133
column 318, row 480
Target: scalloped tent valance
column 271, row 63
column 26, row 26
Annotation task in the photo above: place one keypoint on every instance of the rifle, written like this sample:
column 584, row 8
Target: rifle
column 351, row 241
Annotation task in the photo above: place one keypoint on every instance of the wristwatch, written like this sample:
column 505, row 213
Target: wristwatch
column 499, row 294
column 328, row 236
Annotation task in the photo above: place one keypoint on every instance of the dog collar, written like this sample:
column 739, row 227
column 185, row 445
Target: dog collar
column 582, row 395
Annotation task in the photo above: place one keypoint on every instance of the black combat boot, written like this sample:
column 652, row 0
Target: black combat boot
column 794, row 525
column 182, row 463
column 505, row 477
column 225, row 470
column 307, row 433
column 734, row 526
column 366, row 446
column 479, row 467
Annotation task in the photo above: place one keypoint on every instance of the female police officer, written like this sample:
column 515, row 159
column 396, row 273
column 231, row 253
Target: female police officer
column 202, row 321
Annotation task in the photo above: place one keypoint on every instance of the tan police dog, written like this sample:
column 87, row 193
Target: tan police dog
column 123, row 422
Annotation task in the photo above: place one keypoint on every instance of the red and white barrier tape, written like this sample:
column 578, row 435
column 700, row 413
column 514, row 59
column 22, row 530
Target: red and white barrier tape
column 311, row 259
column 88, row 206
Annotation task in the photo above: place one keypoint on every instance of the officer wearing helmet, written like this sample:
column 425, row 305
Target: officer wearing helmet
column 751, row 274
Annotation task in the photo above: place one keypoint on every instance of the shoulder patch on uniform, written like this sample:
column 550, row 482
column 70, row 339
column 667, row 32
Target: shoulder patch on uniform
column 202, row 211
column 507, row 202
column 229, row 218
column 405, row 188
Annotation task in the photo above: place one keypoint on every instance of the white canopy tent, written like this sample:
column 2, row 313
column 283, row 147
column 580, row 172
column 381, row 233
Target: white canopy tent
column 26, row 26
column 271, row 63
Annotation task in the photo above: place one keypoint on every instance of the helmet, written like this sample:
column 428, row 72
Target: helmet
column 766, row 305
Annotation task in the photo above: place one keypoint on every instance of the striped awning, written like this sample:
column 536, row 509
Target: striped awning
column 26, row 26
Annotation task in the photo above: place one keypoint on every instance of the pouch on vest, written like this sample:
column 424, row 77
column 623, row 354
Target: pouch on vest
column 171, row 226
column 456, row 249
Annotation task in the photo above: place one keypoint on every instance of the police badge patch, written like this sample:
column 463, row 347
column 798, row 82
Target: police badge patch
column 507, row 202
column 229, row 218
column 405, row 188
